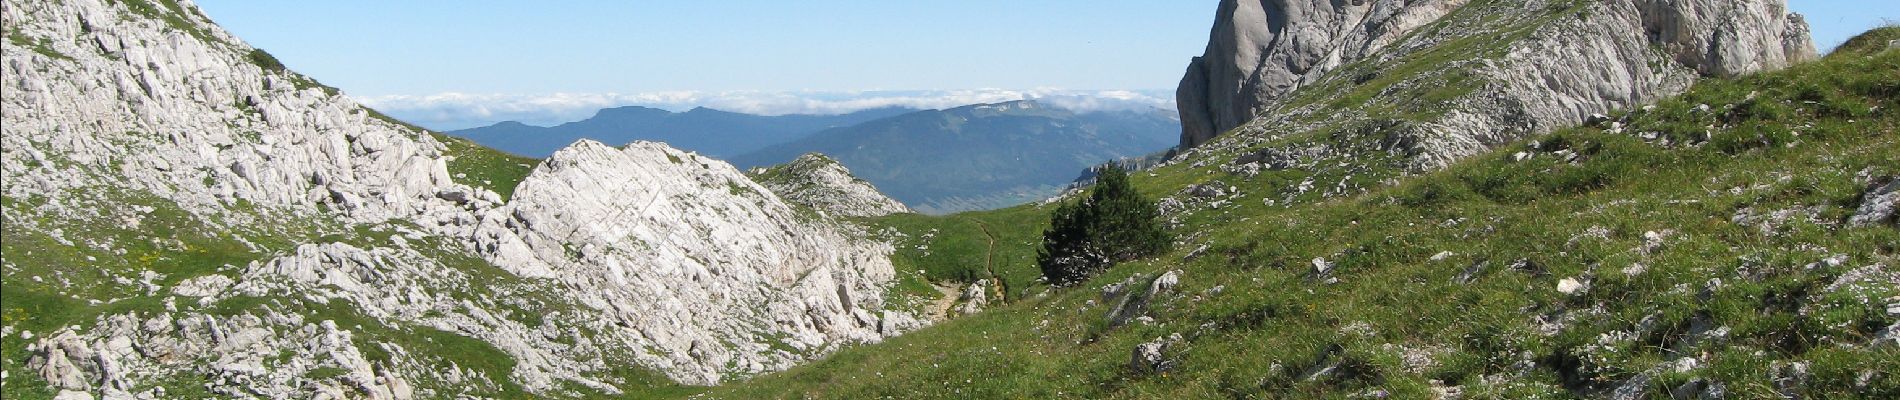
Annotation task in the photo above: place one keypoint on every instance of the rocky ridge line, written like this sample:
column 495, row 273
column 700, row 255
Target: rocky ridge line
column 817, row 181
column 1562, row 61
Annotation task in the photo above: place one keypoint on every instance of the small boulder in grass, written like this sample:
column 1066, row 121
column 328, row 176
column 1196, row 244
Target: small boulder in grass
column 1571, row 286
column 1877, row 205
column 1151, row 357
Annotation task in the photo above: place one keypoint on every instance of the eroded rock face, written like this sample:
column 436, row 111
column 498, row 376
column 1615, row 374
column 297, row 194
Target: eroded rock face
column 356, row 232
column 692, row 255
column 1560, row 62
column 1878, row 204
column 1726, row 37
column 816, row 181
column 123, row 350
column 1262, row 49
column 1570, row 69
column 118, row 99
column 105, row 102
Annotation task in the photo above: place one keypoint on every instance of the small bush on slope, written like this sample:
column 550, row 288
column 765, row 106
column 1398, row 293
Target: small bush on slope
column 1112, row 224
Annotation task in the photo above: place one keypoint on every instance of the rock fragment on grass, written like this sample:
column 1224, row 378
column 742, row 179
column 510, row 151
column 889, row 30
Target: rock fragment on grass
column 1877, row 205
column 1151, row 357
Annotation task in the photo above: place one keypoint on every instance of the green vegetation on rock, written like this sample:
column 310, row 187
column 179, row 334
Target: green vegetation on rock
column 42, row 46
column 175, row 15
column 265, row 60
column 483, row 167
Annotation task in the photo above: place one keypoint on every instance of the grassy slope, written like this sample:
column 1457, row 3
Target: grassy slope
column 962, row 248
column 485, row 168
column 1805, row 141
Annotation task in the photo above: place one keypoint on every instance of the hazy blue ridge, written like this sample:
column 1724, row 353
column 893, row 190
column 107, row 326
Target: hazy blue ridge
column 708, row 131
column 980, row 156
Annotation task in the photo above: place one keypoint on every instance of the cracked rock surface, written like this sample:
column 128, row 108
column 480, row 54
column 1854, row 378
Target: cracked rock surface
column 1527, row 67
column 820, row 182
column 215, row 222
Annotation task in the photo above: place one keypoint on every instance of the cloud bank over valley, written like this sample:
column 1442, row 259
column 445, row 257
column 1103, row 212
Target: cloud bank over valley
column 449, row 111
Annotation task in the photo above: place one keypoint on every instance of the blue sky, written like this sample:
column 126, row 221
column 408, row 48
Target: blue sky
column 487, row 56
column 1834, row 21
column 417, row 47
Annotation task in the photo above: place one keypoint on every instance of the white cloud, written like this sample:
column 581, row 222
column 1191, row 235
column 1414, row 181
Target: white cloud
column 463, row 110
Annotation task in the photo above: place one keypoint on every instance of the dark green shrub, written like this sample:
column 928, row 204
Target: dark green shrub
column 264, row 59
column 1112, row 224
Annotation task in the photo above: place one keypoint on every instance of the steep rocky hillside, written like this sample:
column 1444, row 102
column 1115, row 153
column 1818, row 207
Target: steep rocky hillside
column 1737, row 241
column 184, row 217
column 1432, row 81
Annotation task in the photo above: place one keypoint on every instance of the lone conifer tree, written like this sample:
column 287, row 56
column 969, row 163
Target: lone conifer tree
column 1112, row 224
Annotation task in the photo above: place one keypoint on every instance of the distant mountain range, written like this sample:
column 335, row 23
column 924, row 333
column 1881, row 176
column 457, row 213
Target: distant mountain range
column 715, row 133
column 935, row 161
column 980, row 156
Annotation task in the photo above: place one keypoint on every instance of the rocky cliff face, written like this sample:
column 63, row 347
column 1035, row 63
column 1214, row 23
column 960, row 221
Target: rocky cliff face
column 1503, row 69
column 105, row 95
column 654, row 238
column 816, row 181
column 1260, row 50
column 183, row 213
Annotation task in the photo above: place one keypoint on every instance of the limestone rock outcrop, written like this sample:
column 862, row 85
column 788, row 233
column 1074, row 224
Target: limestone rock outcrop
column 1878, row 204
column 113, row 97
column 1559, row 75
column 1538, row 64
column 817, row 181
column 123, row 351
column 697, row 259
column 1261, row 49
column 228, row 218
